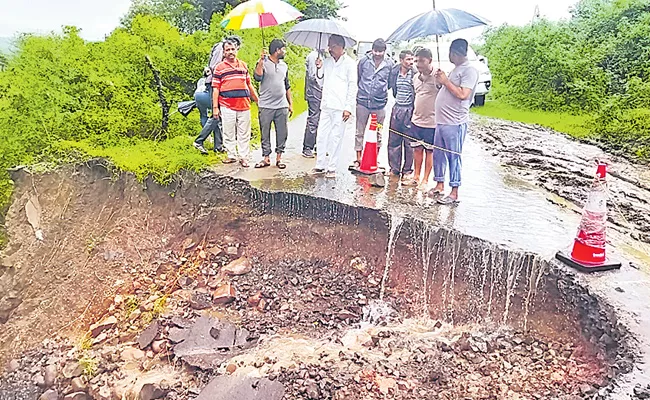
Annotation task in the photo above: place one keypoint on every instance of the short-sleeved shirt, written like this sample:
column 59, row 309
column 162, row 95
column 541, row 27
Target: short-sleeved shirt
column 450, row 110
column 274, row 84
column 426, row 91
column 233, row 80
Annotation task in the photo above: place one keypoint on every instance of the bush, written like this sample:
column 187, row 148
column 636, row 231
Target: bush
column 60, row 94
column 597, row 63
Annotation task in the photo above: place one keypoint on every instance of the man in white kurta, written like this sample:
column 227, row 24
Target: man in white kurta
column 337, row 104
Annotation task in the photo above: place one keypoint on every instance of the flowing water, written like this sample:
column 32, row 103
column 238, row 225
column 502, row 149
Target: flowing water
column 395, row 227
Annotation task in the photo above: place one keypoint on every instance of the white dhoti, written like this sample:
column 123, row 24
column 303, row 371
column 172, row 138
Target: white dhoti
column 330, row 132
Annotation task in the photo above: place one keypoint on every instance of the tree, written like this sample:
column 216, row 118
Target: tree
column 3, row 62
column 194, row 15
column 318, row 8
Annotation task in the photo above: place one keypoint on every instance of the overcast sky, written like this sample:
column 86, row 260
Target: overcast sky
column 366, row 20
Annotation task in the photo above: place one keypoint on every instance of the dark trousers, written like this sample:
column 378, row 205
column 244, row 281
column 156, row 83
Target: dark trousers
column 399, row 147
column 312, row 125
column 211, row 126
column 279, row 118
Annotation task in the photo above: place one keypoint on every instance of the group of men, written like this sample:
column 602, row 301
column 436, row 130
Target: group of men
column 230, row 91
column 428, row 120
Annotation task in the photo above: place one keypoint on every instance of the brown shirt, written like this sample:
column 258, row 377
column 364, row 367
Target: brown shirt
column 426, row 91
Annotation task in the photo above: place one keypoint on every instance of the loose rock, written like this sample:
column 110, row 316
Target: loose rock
column 12, row 366
column 152, row 391
column 50, row 375
column 240, row 266
column 148, row 335
column 106, row 324
column 78, row 385
column 132, row 354
column 200, row 300
column 224, row 294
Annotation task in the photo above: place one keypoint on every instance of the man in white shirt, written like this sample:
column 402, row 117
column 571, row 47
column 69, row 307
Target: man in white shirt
column 337, row 104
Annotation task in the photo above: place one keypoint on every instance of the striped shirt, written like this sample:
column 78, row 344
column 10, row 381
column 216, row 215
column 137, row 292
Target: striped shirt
column 405, row 91
column 232, row 81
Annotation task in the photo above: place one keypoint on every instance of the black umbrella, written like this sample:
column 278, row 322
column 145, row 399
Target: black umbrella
column 186, row 107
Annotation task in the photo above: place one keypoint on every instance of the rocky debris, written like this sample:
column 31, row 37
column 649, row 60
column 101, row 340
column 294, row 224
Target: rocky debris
column 158, row 346
column 224, row 294
column 8, row 304
column 209, row 342
column 200, row 300
column 152, row 391
column 132, row 354
column 78, row 385
column 49, row 395
column 72, row 370
column 255, row 299
column 13, row 365
column 148, row 335
column 49, row 375
column 240, row 266
column 242, row 388
column 187, row 283
column 39, row 381
column 306, row 297
column 76, row 396
column 104, row 325
column 320, row 303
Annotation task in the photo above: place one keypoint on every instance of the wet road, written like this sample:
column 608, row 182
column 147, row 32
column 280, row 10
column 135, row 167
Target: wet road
column 498, row 203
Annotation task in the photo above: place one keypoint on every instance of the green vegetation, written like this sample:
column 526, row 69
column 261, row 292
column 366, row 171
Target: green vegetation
column 88, row 365
column 63, row 99
column 593, row 69
column 194, row 15
column 574, row 125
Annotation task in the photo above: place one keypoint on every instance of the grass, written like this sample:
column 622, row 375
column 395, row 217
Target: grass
column 574, row 125
column 161, row 160
column 89, row 365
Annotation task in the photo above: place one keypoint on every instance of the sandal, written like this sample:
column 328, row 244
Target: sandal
column 244, row 163
column 262, row 164
column 354, row 166
column 435, row 193
column 281, row 165
column 229, row 161
column 448, row 201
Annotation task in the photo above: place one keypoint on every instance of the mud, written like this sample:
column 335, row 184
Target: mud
column 565, row 167
column 113, row 248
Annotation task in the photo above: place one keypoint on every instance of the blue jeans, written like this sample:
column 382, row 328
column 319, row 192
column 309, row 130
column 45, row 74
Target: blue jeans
column 209, row 124
column 204, row 104
column 450, row 137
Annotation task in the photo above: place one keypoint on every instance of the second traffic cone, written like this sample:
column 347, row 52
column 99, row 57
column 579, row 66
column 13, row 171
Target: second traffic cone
column 369, row 158
column 589, row 246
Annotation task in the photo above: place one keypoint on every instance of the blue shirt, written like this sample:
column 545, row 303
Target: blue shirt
column 373, row 83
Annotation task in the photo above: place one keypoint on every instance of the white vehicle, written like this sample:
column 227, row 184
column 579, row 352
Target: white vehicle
column 479, row 62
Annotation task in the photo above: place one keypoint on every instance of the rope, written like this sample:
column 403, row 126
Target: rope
column 421, row 142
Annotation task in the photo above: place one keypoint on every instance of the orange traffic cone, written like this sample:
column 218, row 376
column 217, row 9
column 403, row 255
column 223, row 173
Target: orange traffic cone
column 589, row 247
column 369, row 159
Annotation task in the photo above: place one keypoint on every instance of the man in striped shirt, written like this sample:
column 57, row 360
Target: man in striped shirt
column 399, row 147
column 232, row 91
